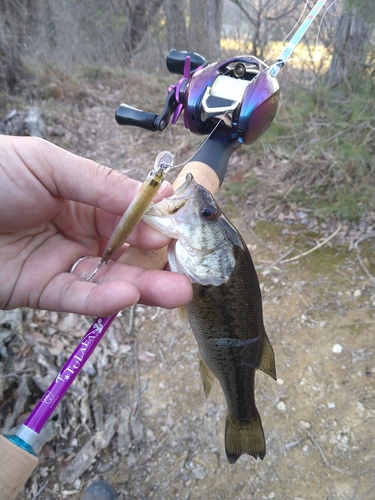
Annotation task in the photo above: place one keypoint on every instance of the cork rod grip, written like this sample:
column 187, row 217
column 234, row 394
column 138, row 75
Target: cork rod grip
column 16, row 466
column 157, row 259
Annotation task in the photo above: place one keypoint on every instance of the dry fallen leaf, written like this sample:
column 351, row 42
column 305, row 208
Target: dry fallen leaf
column 146, row 356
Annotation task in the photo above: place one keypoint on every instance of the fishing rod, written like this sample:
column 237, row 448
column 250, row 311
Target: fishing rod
column 233, row 102
column 296, row 38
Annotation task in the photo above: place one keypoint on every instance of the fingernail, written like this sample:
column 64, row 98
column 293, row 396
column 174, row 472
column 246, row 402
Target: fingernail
column 163, row 186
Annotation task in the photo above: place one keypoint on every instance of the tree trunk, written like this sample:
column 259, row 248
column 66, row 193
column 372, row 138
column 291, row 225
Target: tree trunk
column 176, row 26
column 140, row 17
column 205, row 27
column 12, row 70
column 350, row 48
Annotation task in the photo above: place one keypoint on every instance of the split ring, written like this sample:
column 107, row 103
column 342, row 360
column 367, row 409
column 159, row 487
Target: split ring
column 71, row 270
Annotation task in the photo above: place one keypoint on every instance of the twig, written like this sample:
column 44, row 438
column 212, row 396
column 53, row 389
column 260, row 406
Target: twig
column 131, row 320
column 328, row 464
column 365, row 268
column 136, row 369
column 364, row 237
column 40, row 491
column 307, row 304
column 308, row 252
column 355, row 489
column 277, row 261
column 256, row 237
column 366, row 495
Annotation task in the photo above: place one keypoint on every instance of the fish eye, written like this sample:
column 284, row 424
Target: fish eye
column 209, row 212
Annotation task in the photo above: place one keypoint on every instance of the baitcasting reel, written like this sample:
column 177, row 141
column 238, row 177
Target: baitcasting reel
column 237, row 97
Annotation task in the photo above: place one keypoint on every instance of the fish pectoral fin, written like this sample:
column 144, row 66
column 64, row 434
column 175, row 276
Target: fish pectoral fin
column 184, row 319
column 243, row 438
column 267, row 361
column 206, row 375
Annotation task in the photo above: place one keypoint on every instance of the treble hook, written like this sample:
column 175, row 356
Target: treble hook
column 87, row 276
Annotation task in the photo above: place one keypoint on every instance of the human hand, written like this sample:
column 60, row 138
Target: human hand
column 56, row 207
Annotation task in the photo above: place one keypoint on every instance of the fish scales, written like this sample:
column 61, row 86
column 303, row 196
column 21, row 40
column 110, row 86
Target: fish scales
column 225, row 313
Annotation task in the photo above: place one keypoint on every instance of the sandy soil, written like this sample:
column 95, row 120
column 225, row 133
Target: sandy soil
column 137, row 416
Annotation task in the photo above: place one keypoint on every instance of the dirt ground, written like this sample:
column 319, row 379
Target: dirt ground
column 137, row 416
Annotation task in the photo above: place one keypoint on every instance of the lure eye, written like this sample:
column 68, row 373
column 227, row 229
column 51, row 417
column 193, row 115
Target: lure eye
column 209, row 212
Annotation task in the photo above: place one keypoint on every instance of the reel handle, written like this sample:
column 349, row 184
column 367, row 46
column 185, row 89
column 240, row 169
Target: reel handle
column 176, row 61
column 127, row 115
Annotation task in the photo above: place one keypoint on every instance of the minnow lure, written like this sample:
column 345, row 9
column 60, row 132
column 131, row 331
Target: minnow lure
column 135, row 210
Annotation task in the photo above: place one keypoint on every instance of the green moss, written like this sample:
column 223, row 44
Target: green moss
column 326, row 263
column 236, row 191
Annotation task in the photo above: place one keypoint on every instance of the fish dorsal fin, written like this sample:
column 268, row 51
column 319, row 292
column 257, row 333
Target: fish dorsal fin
column 267, row 361
column 206, row 375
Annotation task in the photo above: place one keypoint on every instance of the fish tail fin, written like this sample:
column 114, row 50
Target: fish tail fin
column 243, row 438
column 267, row 361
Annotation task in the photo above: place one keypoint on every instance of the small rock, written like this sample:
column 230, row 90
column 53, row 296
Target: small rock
column 360, row 408
column 77, row 484
column 131, row 460
column 47, row 434
column 331, row 405
column 281, row 406
column 104, row 437
column 104, row 467
column 337, row 348
column 80, row 463
column 123, row 432
column 111, row 337
column 304, row 424
column 357, row 293
column 10, row 323
column 137, row 428
column 302, row 217
column 200, row 472
column 67, row 322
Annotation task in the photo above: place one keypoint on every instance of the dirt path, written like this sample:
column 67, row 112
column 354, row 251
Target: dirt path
column 138, row 412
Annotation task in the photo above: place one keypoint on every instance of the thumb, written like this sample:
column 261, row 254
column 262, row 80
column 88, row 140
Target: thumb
column 80, row 179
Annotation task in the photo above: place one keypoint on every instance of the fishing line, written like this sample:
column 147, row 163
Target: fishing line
column 291, row 31
column 321, row 22
column 201, row 145
column 296, row 38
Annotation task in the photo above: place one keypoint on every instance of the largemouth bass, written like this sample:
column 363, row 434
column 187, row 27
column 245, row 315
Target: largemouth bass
column 225, row 312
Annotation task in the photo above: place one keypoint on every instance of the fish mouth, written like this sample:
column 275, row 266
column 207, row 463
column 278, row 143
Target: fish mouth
column 162, row 215
column 171, row 205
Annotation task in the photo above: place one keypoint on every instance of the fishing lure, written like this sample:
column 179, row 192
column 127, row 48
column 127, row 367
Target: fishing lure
column 135, row 211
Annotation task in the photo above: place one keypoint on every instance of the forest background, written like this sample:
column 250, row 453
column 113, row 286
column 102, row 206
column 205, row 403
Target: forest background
column 325, row 125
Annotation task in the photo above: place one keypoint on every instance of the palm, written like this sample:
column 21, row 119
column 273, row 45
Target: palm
column 43, row 232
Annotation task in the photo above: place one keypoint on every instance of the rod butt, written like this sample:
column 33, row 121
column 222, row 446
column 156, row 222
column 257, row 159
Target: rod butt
column 16, row 466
